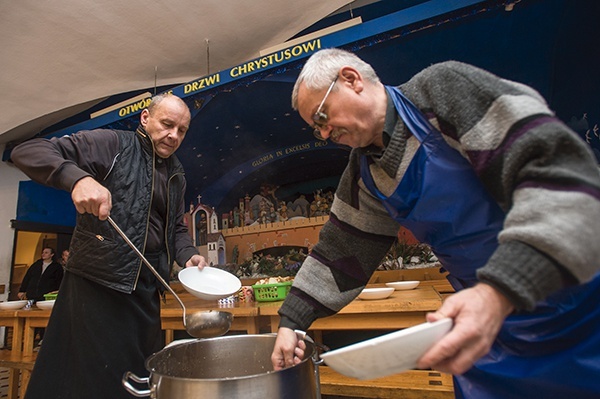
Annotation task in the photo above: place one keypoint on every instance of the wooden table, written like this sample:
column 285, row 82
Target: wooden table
column 33, row 318
column 9, row 318
column 245, row 314
column 402, row 309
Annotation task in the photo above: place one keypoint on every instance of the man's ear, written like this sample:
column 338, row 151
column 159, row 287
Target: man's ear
column 144, row 117
column 352, row 78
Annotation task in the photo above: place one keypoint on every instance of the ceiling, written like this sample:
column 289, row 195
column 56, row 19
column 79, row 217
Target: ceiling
column 59, row 57
column 244, row 132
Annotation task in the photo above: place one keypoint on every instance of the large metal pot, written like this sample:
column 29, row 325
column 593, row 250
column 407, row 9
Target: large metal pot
column 237, row 366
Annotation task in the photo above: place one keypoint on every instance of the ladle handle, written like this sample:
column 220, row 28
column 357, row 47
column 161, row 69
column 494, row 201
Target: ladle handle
column 145, row 261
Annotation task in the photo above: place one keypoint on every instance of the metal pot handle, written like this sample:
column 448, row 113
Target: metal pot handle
column 316, row 358
column 131, row 389
column 324, row 348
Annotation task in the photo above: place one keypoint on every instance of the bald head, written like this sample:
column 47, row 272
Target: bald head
column 166, row 120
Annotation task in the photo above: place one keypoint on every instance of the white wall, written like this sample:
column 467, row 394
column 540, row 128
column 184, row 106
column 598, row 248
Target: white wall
column 9, row 191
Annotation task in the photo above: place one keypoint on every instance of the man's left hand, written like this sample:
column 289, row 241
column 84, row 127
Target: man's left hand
column 478, row 314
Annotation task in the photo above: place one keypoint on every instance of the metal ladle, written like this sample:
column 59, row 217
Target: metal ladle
column 204, row 324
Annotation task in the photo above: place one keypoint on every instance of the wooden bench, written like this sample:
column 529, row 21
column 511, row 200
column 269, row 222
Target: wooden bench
column 412, row 384
column 16, row 362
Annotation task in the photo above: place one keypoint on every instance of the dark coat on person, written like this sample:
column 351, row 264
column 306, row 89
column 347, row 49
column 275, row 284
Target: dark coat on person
column 35, row 283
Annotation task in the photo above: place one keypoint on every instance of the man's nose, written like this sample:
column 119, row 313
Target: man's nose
column 172, row 133
column 325, row 131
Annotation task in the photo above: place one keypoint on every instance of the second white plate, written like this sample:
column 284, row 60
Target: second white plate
column 388, row 354
column 403, row 285
column 375, row 293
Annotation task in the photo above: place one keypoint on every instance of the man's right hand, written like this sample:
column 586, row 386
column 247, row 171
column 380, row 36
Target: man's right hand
column 288, row 350
column 89, row 196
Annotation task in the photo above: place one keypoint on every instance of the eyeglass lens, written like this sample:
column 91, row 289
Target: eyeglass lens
column 320, row 118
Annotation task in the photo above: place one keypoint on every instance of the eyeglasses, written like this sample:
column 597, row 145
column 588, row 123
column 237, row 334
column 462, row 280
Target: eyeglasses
column 321, row 118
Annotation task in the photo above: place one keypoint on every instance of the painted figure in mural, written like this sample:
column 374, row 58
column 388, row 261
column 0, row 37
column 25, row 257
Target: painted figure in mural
column 273, row 215
column 267, row 191
column 283, row 214
column 247, row 217
column 505, row 194
column 106, row 319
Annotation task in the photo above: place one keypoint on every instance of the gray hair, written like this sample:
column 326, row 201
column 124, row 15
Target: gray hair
column 323, row 66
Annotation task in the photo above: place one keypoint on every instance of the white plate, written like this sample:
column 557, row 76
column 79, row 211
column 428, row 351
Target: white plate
column 388, row 354
column 209, row 283
column 45, row 304
column 375, row 293
column 403, row 285
column 12, row 305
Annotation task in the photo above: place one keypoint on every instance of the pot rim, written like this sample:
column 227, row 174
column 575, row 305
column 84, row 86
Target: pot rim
column 307, row 357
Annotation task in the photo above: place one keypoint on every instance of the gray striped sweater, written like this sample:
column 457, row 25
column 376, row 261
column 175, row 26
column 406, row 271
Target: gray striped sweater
column 541, row 173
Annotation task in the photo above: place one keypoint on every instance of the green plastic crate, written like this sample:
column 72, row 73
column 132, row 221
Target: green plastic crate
column 271, row 292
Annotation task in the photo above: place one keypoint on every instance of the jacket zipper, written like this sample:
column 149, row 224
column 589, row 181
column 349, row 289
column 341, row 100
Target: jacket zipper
column 143, row 249
column 169, row 261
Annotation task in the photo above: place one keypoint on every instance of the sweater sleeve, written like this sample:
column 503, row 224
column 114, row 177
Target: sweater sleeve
column 350, row 248
column 538, row 170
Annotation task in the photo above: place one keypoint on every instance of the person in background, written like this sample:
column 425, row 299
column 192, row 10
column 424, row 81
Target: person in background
column 42, row 277
column 106, row 319
column 64, row 257
column 506, row 195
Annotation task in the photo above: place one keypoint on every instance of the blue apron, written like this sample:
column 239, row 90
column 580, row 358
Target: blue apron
column 552, row 352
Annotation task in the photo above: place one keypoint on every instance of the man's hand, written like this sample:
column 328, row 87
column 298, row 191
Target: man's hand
column 288, row 350
column 196, row 260
column 89, row 196
column 478, row 314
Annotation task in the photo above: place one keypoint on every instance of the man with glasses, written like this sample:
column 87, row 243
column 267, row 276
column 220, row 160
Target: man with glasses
column 506, row 195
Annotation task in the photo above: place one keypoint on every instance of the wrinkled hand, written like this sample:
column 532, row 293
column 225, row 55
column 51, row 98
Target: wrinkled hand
column 196, row 260
column 288, row 350
column 89, row 196
column 478, row 314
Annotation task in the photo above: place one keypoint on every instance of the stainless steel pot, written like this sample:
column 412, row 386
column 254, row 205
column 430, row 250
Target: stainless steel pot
column 237, row 366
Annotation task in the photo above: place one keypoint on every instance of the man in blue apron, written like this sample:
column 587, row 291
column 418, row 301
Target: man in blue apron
column 506, row 195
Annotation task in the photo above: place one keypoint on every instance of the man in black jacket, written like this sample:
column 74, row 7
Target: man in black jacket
column 42, row 277
column 106, row 320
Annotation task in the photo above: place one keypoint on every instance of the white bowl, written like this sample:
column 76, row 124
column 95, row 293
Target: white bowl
column 45, row 304
column 209, row 283
column 375, row 293
column 403, row 285
column 387, row 354
column 12, row 305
